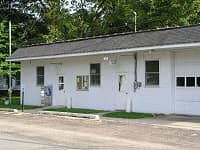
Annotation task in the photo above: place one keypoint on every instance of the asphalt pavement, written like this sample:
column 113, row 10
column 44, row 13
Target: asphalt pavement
column 26, row 131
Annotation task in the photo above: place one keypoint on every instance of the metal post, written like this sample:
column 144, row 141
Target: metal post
column 23, row 100
column 135, row 20
column 10, row 52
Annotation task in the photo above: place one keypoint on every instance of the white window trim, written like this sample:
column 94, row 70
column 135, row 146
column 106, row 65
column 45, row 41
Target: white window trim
column 122, row 74
column 151, row 86
column 95, row 86
column 61, row 83
column 40, row 85
column 185, row 81
column 180, row 87
column 190, row 87
column 82, row 83
column 197, row 76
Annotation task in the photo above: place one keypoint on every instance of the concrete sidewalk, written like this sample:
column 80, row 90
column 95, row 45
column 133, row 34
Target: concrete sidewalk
column 40, row 109
column 172, row 121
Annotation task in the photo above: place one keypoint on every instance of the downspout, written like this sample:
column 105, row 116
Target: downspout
column 135, row 72
column 135, row 83
column 135, row 86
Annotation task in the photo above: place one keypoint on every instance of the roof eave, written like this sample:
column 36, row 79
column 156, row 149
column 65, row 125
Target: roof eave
column 163, row 47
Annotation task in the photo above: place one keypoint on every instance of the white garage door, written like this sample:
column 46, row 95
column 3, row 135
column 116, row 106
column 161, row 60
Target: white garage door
column 187, row 91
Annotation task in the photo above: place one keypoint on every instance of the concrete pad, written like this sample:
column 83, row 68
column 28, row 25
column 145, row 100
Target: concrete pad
column 173, row 121
column 8, row 109
column 89, row 116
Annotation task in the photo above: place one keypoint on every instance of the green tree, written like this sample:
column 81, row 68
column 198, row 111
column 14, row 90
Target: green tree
column 45, row 21
column 4, row 66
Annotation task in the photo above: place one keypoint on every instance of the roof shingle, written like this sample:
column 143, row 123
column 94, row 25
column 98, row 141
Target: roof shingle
column 181, row 35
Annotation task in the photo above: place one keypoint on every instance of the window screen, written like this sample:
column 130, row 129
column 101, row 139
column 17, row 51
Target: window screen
column 40, row 75
column 180, row 81
column 152, row 73
column 95, row 72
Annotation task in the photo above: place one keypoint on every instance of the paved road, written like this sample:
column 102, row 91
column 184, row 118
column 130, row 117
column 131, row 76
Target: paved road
column 35, row 132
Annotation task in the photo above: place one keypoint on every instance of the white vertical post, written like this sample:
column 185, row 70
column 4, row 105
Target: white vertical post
column 10, row 52
column 128, row 102
column 10, row 64
column 135, row 20
column 173, row 82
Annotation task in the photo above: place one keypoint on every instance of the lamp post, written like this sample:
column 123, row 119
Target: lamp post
column 10, row 52
column 135, row 20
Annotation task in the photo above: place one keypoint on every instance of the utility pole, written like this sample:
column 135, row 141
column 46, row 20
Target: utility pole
column 135, row 20
column 10, row 52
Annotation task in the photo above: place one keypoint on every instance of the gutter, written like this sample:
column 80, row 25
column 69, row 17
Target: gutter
column 174, row 46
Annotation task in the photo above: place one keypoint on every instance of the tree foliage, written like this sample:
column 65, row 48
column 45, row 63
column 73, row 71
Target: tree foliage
column 45, row 21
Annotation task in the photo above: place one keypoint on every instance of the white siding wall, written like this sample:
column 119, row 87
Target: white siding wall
column 187, row 63
column 163, row 99
column 154, row 99
column 102, row 97
column 28, row 82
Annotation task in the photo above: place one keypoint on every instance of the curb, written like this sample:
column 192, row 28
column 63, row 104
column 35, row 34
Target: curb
column 9, row 110
column 89, row 116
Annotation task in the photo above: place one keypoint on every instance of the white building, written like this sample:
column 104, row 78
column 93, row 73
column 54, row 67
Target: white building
column 99, row 72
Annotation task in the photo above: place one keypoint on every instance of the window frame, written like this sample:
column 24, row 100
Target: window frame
column 95, row 74
column 82, row 83
column 61, row 83
column 120, row 89
column 145, row 76
column 194, row 81
column 198, row 76
column 184, row 82
column 39, row 76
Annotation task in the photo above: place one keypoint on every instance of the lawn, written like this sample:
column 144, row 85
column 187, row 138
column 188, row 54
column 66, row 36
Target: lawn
column 75, row 110
column 16, row 104
column 131, row 115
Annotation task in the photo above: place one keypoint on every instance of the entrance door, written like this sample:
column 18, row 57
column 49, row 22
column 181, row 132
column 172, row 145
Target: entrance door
column 122, row 91
column 61, row 95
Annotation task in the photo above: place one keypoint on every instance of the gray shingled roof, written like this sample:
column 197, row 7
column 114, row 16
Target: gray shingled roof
column 173, row 36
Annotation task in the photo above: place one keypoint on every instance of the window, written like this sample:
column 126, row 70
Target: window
column 40, row 76
column 82, row 83
column 198, row 81
column 18, row 79
column 122, row 82
column 152, row 73
column 61, row 83
column 95, row 77
column 180, row 81
column 190, row 81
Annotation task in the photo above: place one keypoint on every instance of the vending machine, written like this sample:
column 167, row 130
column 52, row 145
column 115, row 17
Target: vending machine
column 46, row 94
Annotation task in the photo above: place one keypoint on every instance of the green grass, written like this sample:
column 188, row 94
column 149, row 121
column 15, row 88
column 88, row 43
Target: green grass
column 75, row 110
column 16, row 104
column 131, row 115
